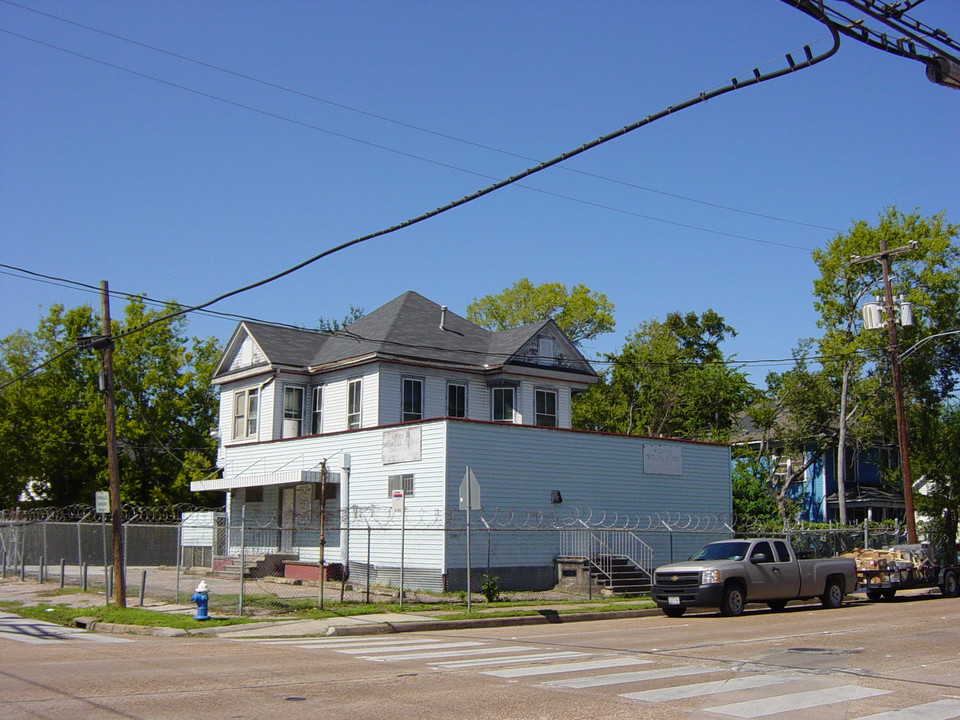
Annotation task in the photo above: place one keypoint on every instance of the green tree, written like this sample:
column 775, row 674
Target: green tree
column 855, row 360
column 669, row 379
column 52, row 427
column 334, row 325
column 579, row 312
column 935, row 464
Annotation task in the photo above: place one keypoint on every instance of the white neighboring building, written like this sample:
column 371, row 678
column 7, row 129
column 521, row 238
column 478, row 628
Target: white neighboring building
column 406, row 399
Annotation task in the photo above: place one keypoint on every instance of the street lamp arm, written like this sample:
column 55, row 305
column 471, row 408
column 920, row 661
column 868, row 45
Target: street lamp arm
column 929, row 337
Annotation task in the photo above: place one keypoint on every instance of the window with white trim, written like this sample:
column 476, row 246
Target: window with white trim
column 293, row 411
column 503, row 401
column 316, row 411
column 456, row 400
column 412, row 399
column 246, row 409
column 546, row 407
column 354, row 403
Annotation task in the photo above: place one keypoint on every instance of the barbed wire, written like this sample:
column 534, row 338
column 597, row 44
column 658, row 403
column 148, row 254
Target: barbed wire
column 130, row 513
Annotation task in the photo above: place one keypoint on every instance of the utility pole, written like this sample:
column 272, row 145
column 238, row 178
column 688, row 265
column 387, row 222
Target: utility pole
column 113, row 465
column 883, row 257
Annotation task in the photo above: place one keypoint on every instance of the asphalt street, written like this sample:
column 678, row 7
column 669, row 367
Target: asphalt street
column 895, row 660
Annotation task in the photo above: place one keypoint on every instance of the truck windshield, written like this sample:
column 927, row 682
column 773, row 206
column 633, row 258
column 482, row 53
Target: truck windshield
column 722, row 551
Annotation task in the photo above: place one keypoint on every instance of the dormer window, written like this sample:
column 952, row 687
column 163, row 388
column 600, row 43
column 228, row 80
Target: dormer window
column 546, row 350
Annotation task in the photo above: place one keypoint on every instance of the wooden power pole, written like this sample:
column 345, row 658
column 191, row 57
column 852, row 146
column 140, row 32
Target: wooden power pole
column 113, row 465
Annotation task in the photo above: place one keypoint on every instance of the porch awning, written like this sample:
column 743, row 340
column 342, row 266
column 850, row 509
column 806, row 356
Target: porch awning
column 287, row 477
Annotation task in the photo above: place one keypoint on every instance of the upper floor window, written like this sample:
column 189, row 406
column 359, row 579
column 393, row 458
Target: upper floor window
column 316, row 411
column 546, row 354
column 456, row 400
column 546, row 407
column 412, row 399
column 246, row 409
column 292, row 411
column 354, row 403
column 504, row 401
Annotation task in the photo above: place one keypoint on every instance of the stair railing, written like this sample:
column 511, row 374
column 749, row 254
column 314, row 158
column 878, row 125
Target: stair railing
column 600, row 547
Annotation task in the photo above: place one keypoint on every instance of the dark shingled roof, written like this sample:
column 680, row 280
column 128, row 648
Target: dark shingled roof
column 407, row 326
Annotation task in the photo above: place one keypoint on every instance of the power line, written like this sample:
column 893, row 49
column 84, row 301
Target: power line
column 436, row 133
column 735, row 83
column 387, row 148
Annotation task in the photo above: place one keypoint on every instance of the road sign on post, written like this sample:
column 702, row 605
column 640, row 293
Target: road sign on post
column 469, row 500
column 469, row 491
column 101, row 499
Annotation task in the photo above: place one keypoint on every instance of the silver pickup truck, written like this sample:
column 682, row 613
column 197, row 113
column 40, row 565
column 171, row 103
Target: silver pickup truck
column 731, row 573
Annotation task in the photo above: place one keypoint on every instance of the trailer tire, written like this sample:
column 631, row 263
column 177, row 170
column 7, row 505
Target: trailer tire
column 833, row 594
column 874, row 595
column 733, row 601
column 888, row 593
column 951, row 585
column 673, row 611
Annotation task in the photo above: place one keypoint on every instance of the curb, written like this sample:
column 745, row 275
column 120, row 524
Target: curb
column 93, row 625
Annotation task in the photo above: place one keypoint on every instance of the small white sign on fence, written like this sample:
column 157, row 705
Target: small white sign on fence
column 101, row 501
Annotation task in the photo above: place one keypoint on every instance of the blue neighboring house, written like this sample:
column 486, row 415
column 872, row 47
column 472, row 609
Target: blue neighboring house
column 866, row 496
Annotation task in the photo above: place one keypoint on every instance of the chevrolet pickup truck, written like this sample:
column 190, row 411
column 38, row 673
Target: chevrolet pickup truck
column 731, row 573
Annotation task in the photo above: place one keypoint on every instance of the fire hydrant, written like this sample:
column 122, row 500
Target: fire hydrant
column 201, row 598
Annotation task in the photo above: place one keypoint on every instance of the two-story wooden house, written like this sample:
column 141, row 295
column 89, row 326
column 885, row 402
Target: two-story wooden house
column 404, row 400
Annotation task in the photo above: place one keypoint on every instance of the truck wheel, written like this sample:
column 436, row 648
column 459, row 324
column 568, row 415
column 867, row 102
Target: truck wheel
column 951, row 585
column 776, row 605
column 874, row 595
column 833, row 595
column 888, row 593
column 733, row 601
column 673, row 611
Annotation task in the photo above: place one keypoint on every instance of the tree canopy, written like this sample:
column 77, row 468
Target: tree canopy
column 579, row 312
column 52, row 423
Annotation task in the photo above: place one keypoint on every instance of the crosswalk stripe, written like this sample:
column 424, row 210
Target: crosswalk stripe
column 708, row 688
column 446, row 653
column 939, row 710
column 796, row 701
column 566, row 667
column 327, row 642
column 639, row 676
column 406, row 648
column 456, row 664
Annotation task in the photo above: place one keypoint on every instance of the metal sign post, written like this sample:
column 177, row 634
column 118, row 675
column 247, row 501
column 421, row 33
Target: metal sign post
column 399, row 505
column 469, row 500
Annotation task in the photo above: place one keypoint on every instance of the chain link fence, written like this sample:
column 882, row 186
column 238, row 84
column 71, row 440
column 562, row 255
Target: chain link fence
column 371, row 555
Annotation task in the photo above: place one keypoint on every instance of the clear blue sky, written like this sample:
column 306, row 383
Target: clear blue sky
column 107, row 174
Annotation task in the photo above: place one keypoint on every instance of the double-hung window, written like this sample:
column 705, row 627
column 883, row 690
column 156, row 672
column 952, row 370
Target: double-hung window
column 246, row 409
column 412, row 399
column 546, row 407
column 292, row 411
column 316, row 411
column 456, row 400
column 504, row 401
column 546, row 354
column 354, row 403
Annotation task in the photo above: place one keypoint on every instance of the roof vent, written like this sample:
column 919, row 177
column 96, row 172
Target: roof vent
column 443, row 316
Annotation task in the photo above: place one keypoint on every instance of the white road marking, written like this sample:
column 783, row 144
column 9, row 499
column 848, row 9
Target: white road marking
column 708, row 688
column 640, row 676
column 456, row 664
column 406, row 648
column 939, row 710
column 796, row 701
column 566, row 667
column 446, row 653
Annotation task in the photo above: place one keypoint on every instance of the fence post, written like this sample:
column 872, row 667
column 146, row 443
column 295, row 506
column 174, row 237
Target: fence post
column 63, row 572
column 243, row 555
column 83, row 576
column 143, row 586
column 79, row 545
column 42, row 572
column 176, row 592
column 368, row 563
column 4, row 562
column 108, row 581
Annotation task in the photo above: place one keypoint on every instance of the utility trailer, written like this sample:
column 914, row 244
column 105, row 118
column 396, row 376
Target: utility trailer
column 880, row 573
